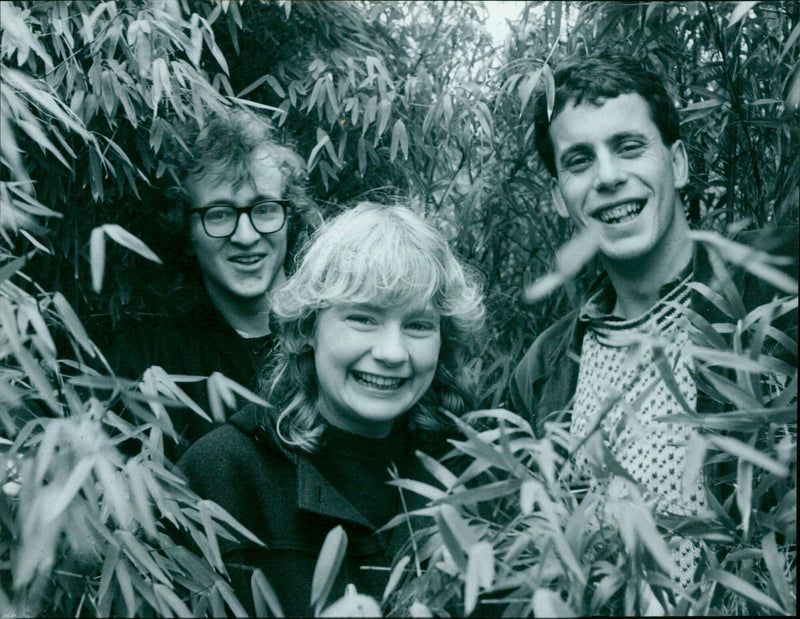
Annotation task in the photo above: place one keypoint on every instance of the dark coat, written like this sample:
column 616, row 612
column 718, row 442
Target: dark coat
column 283, row 496
column 197, row 343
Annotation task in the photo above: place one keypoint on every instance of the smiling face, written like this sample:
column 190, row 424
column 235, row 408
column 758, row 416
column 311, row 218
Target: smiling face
column 617, row 178
column 373, row 363
column 244, row 266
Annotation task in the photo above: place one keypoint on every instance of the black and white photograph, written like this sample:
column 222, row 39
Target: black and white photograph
column 399, row 308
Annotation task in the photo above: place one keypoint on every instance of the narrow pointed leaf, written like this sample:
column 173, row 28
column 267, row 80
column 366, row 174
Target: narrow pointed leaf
column 329, row 561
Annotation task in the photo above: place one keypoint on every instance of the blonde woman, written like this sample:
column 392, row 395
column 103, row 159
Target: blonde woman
column 373, row 327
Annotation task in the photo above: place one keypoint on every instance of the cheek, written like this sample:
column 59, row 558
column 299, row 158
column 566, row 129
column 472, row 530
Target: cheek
column 279, row 243
column 202, row 246
column 427, row 356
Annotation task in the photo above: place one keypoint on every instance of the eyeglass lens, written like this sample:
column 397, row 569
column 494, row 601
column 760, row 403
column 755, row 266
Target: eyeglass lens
column 221, row 221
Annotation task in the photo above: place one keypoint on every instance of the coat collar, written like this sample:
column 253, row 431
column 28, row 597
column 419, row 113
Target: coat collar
column 315, row 494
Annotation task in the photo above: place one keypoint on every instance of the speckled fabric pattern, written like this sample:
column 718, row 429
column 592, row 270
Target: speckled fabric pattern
column 617, row 365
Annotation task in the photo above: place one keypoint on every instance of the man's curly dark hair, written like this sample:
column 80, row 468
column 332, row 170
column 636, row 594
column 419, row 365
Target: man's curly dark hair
column 221, row 149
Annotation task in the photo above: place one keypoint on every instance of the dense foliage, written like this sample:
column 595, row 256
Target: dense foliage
column 411, row 100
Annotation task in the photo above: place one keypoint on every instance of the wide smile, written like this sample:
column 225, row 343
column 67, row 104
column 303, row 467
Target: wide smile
column 620, row 212
column 376, row 381
column 247, row 261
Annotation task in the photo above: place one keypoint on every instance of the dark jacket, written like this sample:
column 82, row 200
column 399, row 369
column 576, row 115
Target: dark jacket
column 197, row 343
column 544, row 382
column 287, row 499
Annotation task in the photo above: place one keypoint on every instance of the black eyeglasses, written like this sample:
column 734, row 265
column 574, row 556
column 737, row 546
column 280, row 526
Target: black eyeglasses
column 221, row 220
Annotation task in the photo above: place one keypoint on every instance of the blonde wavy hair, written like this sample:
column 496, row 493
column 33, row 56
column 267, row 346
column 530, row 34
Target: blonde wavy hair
column 384, row 255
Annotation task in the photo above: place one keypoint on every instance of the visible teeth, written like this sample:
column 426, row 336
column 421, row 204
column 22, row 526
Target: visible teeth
column 380, row 382
column 246, row 259
column 620, row 213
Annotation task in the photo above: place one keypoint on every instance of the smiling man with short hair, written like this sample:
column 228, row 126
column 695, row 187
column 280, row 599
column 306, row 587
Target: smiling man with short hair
column 611, row 143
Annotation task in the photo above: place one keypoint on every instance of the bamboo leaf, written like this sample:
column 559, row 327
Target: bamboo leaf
column 471, row 585
column 399, row 140
column 109, row 565
column 456, row 541
column 46, row 450
column 570, row 259
column 34, row 372
column 716, row 298
column 528, row 492
column 744, row 451
column 739, row 11
column 705, row 328
column 121, row 236
column 696, row 450
column 126, row 587
column 97, row 257
column 10, row 268
column 753, row 260
column 73, row 323
column 727, row 389
column 66, row 493
column 745, row 589
column 421, row 488
column 744, row 493
column 548, row 603
column 327, row 567
column 321, row 143
column 480, row 493
column 438, row 470
column 264, row 595
column 172, row 600
column 384, row 113
column 395, row 576
column 141, row 498
column 222, row 515
column 526, row 87
column 403, row 518
column 561, row 545
column 219, row 397
column 230, row 598
column 775, row 566
column 550, row 89
column 137, row 551
column 211, row 536
column 665, row 370
column 762, row 365
column 234, row 387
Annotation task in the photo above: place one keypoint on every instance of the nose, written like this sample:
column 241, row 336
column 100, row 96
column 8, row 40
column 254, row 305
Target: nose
column 390, row 346
column 610, row 173
column 244, row 233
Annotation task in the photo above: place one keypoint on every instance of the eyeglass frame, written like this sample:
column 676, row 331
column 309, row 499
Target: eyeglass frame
column 202, row 210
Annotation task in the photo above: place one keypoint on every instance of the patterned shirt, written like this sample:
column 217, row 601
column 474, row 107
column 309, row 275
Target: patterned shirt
column 619, row 380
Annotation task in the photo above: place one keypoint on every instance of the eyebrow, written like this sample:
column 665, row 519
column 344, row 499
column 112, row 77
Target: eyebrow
column 372, row 307
column 258, row 198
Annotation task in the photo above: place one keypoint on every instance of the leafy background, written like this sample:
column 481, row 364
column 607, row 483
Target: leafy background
column 410, row 100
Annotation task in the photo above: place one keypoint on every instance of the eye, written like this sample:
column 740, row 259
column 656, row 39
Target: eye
column 219, row 213
column 630, row 147
column 577, row 162
column 422, row 327
column 360, row 320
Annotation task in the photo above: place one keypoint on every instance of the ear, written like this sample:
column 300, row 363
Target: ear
column 680, row 164
column 558, row 198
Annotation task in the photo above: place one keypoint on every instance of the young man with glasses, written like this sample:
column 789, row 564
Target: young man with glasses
column 240, row 205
